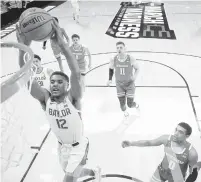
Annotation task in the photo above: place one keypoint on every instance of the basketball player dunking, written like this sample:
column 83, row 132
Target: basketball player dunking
column 81, row 53
column 42, row 75
column 55, row 48
column 62, row 110
column 179, row 154
column 124, row 66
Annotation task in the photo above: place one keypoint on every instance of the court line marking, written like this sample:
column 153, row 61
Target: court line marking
column 139, row 86
column 186, row 83
column 96, row 54
column 114, row 176
column 35, row 156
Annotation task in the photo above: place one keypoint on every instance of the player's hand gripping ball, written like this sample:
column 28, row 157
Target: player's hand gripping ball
column 125, row 144
column 57, row 36
column 36, row 24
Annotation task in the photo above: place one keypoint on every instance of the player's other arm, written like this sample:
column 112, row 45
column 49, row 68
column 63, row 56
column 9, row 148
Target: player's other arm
column 75, row 89
column 162, row 140
column 192, row 159
column 37, row 91
column 135, row 67
column 111, row 71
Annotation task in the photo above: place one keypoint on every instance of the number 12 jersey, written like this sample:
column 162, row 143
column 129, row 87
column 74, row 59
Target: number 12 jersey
column 65, row 121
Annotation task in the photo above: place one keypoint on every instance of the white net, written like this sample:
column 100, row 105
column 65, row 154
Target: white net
column 14, row 144
column 13, row 140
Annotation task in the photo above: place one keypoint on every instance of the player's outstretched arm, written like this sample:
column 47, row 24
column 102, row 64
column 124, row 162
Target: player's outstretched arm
column 146, row 143
column 75, row 90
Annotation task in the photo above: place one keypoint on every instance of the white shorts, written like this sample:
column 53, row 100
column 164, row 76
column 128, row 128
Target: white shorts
column 71, row 157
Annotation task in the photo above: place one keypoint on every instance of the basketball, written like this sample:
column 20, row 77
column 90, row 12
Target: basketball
column 36, row 24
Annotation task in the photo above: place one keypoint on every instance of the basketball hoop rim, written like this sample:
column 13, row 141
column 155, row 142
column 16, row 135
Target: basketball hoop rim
column 21, row 77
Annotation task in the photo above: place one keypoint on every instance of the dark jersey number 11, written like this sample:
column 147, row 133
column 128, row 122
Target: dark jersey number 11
column 61, row 123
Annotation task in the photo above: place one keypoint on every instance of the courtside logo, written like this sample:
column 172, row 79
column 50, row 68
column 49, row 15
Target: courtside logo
column 144, row 20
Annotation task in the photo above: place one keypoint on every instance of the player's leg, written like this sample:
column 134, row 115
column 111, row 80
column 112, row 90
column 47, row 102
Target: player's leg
column 57, row 55
column 130, row 94
column 121, row 94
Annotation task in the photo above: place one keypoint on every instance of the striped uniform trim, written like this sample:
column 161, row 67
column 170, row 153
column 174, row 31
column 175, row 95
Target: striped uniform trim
column 121, row 94
column 130, row 95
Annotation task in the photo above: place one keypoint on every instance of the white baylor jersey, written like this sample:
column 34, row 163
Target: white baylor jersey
column 43, row 78
column 65, row 121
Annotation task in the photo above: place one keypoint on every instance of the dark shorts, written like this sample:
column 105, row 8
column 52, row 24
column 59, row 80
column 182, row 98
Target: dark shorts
column 125, row 89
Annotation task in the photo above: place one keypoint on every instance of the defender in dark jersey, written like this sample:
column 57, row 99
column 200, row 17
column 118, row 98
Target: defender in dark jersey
column 126, row 71
column 179, row 154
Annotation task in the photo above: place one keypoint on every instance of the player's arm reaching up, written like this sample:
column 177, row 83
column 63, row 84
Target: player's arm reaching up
column 66, row 36
column 75, row 90
column 162, row 140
